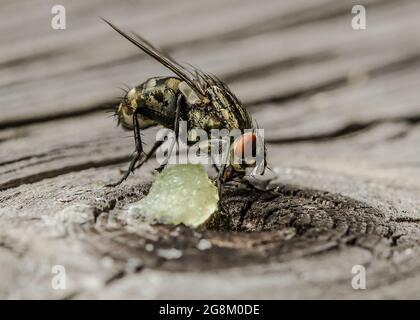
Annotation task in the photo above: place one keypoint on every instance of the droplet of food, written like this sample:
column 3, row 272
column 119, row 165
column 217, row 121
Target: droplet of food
column 180, row 194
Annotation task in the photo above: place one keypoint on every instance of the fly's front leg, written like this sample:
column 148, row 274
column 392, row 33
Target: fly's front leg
column 219, row 179
column 176, row 129
column 221, row 170
column 137, row 154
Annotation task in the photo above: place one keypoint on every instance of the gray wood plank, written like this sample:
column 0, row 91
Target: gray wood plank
column 340, row 113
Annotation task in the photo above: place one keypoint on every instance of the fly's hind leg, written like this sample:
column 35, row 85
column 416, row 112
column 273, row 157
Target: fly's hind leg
column 149, row 154
column 139, row 153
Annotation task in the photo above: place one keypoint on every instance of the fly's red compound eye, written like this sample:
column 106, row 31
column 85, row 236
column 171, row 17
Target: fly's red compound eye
column 246, row 146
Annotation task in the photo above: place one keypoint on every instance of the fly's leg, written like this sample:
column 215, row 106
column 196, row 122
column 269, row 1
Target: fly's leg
column 176, row 129
column 216, row 168
column 221, row 171
column 219, row 179
column 149, row 154
column 214, row 165
column 136, row 155
column 130, row 169
column 132, row 166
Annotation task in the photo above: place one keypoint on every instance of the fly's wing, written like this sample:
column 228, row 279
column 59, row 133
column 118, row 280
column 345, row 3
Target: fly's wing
column 172, row 65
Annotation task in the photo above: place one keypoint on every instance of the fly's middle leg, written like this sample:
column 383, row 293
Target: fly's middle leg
column 225, row 160
column 219, row 178
column 176, row 130
column 149, row 154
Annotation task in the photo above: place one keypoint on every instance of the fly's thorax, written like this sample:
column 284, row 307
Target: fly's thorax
column 229, row 108
column 209, row 112
column 204, row 118
column 192, row 98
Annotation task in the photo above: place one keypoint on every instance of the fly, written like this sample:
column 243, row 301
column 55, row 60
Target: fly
column 198, row 98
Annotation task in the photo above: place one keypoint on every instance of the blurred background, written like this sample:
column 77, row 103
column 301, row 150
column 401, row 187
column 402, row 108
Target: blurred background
column 340, row 106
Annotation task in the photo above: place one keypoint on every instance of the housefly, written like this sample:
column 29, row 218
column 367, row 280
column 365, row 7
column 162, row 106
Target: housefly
column 198, row 98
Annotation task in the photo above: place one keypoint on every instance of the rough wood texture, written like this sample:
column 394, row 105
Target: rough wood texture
column 340, row 109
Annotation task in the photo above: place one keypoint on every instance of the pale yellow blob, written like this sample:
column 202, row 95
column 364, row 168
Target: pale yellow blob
column 180, row 194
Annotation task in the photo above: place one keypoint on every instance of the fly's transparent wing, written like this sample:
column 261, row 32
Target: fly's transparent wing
column 169, row 63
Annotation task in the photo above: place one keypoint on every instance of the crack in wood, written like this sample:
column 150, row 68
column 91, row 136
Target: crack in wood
column 318, row 222
column 60, row 171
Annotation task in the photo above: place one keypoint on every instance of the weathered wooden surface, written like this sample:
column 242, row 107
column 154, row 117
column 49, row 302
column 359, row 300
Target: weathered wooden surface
column 341, row 112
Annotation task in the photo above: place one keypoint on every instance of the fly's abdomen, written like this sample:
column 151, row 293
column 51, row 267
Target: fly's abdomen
column 159, row 98
column 155, row 100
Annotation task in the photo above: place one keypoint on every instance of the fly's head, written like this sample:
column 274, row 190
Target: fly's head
column 248, row 155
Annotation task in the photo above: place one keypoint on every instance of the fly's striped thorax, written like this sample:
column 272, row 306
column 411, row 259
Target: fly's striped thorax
column 232, row 113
